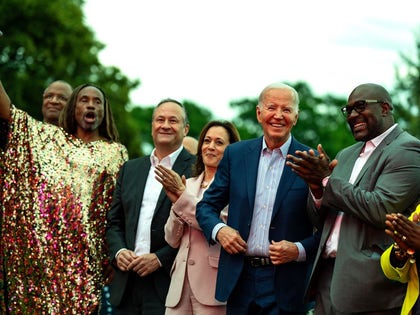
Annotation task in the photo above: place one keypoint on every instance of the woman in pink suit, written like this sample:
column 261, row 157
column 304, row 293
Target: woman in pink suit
column 193, row 274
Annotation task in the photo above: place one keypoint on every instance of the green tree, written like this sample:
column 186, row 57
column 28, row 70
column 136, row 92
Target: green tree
column 47, row 40
column 246, row 120
column 407, row 91
column 198, row 117
column 320, row 120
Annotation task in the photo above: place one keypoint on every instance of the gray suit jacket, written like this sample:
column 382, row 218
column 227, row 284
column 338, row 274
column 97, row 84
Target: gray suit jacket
column 124, row 215
column 388, row 182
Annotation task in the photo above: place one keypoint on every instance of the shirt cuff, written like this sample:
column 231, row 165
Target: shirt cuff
column 317, row 202
column 302, row 252
column 325, row 181
column 216, row 229
column 119, row 252
column 158, row 260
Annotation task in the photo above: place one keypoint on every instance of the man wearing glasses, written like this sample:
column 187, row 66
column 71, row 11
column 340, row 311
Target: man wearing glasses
column 351, row 195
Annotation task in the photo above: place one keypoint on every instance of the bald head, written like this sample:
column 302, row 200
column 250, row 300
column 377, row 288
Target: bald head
column 371, row 119
column 54, row 99
column 371, row 91
column 190, row 144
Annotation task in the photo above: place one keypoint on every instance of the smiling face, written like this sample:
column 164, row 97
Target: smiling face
column 214, row 144
column 89, row 110
column 277, row 113
column 54, row 99
column 375, row 118
column 168, row 128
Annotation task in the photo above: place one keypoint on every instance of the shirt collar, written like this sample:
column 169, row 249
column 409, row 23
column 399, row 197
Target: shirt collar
column 283, row 149
column 168, row 161
column 377, row 140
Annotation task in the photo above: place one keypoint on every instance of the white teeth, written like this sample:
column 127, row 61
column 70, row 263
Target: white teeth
column 359, row 126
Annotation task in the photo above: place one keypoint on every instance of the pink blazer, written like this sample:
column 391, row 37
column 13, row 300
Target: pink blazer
column 195, row 256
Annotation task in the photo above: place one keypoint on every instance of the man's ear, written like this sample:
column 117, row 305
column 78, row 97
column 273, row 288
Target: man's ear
column 386, row 108
column 186, row 129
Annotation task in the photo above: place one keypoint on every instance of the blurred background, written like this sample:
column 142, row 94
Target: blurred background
column 215, row 57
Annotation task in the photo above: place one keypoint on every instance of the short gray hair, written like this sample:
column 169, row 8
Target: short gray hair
column 280, row 86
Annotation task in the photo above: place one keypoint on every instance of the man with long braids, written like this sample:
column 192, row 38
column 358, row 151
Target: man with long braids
column 57, row 185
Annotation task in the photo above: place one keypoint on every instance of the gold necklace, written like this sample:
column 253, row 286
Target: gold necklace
column 204, row 184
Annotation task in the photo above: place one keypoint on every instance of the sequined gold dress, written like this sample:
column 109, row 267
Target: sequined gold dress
column 56, row 191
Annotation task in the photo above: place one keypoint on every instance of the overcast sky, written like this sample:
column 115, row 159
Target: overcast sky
column 213, row 52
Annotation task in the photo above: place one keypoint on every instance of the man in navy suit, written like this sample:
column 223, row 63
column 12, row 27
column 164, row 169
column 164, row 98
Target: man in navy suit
column 268, row 242
column 140, row 208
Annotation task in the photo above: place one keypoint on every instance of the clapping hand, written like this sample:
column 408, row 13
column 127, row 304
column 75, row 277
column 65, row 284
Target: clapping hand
column 312, row 167
column 405, row 233
column 173, row 184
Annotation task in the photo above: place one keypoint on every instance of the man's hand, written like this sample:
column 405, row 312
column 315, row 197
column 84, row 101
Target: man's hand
column 144, row 265
column 283, row 252
column 124, row 258
column 109, row 274
column 231, row 240
column 311, row 167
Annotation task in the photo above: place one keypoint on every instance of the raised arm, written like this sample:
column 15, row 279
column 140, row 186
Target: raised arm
column 4, row 103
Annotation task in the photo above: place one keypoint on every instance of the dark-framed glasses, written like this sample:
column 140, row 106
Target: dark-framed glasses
column 358, row 106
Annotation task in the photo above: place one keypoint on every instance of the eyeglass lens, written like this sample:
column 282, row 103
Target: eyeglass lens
column 358, row 106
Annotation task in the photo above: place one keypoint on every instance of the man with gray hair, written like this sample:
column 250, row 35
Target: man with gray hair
column 54, row 99
column 268, row 242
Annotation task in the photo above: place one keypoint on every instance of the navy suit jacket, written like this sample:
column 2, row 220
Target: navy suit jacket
column 124, row 215
column 235, row 183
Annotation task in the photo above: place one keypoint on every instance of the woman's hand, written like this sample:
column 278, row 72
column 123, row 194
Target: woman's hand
column 173, row 184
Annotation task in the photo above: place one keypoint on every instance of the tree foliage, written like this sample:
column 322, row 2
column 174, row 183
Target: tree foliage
column 407, row 91
column 198, row 116
column 48, row 40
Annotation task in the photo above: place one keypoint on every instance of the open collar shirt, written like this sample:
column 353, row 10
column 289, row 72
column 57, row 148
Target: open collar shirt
column 270, row 170
column 151, row 194
column 370, row 146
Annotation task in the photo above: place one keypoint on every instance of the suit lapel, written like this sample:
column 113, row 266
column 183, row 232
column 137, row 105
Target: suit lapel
column 252, row 160
column 142, row 173
column 194, row 184
column 347, row 161
column 378, row 152
column 286, row 180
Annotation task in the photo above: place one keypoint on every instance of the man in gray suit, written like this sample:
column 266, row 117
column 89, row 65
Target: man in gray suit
column 140, row 208
column 351, row 195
